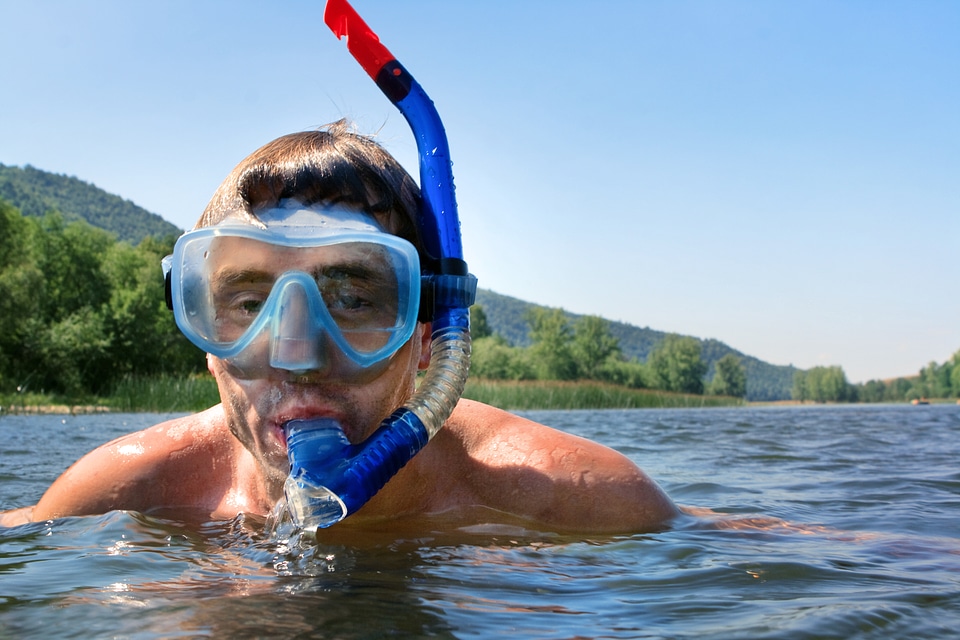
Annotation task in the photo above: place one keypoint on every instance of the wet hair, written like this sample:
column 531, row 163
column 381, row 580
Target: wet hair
column 332, row 165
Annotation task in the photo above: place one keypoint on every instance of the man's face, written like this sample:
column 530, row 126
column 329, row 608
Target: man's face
column 314, row 317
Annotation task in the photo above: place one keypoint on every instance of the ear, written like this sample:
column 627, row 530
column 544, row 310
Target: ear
column 426, row 337
column 210, row 365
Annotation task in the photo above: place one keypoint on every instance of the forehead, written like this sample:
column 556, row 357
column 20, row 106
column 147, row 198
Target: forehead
column 248, row 254
column 290, row 217
column 295, row 235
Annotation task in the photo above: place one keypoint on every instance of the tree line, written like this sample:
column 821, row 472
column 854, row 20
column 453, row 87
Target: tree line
column 80, row 310
column 765, row 382
column 829, row 384
column 586, row 350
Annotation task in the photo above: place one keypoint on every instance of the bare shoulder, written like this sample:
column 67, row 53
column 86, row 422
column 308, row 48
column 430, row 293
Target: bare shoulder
column 555, row 477
column 130, row 472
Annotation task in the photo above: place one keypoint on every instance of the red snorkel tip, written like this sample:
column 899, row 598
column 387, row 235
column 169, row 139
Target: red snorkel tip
column 362, row 43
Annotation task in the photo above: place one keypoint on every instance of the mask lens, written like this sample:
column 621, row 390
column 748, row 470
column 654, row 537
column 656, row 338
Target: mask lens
column 360, row 289
column 363, row 296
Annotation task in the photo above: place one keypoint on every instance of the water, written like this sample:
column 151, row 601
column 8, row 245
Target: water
column 869, row 546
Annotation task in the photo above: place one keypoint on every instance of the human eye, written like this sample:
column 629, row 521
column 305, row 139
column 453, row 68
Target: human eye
column 344, row 294
column 356, row 300
column 237, row 309
column 248, row 304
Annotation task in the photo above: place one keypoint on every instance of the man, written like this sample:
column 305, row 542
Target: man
column 287, row 209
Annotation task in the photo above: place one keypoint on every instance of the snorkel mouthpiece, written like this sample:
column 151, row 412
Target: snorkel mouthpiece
column 330, row 478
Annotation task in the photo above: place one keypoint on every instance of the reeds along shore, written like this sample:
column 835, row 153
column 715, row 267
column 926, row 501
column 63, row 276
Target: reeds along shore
column 161, row 394
column 171, row 394
column 545, row 394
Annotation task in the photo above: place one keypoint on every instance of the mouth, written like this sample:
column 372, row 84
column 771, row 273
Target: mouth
column 281, row 435
column 279, row 424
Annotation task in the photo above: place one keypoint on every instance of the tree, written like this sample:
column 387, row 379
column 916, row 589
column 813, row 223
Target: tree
column 898, row 390
column 494, row 359
column 20, row 282
column 73, row 353
column 137, row 317
column 550, row 350
column 479, row 328
column 593, row 346
column 677, row 366
column 79, row 310
column 955, row 374
column 729, row 378
column 628, row 373
column 799, row 389
column 70, row 258
column 935, row 380
column 823, row 384
column 873, row 391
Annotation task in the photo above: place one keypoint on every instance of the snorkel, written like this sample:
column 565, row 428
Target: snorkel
column 330, row 478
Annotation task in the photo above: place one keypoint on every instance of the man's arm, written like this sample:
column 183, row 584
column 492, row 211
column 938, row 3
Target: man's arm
column 16, row 517
column 93, row 485
column 113, row 476
column 563, row 480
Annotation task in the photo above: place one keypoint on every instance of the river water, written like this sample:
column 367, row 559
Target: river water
column 841, row 522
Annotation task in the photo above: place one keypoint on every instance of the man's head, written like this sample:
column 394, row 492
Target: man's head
column 332, row 165
column 286, row 281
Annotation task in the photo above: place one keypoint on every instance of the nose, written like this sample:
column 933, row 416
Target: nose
column 294, row 345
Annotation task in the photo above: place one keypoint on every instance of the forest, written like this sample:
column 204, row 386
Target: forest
column 829, row 384
column 586, row 349
column 510, row 319
column 79, row 309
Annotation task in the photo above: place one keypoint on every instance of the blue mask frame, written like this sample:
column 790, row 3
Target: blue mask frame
column 191, row 299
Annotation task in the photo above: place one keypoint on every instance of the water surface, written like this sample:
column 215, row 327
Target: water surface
column 869, row 545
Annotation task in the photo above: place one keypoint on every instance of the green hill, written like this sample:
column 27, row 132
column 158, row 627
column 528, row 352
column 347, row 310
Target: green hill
column 35, row 192
column 765, row 382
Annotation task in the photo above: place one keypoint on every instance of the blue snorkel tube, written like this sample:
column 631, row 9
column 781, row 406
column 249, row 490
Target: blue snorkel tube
column 330, row 478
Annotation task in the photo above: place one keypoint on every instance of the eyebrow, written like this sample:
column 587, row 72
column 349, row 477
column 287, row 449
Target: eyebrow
column 229, row 276
column 355, row 269
column 350, row 269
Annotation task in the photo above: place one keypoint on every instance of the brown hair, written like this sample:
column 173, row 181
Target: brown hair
column 329, row 165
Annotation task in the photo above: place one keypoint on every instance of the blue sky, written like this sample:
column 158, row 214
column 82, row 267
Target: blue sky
column 783, row 177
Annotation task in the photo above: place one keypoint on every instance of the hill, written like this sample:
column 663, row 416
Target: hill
column 765, row 382
column 35, row 192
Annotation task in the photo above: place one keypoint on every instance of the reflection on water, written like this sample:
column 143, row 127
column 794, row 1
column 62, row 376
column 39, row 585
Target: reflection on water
column 841, row 522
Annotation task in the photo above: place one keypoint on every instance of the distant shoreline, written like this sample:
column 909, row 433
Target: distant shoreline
column 88, row 409
column 54, row 409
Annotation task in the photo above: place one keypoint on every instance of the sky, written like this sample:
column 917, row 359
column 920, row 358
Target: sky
column 781, row 176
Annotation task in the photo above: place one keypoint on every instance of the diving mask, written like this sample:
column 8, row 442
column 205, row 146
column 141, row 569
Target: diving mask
column 318, row 288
